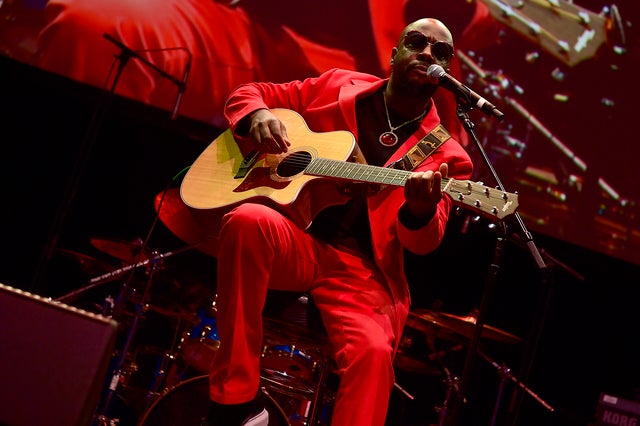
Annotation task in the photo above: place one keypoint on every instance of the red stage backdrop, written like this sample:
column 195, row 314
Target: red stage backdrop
column 562, row 72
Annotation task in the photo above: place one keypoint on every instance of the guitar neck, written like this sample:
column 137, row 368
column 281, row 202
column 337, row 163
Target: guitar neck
column 356, row 172
column 490, row 202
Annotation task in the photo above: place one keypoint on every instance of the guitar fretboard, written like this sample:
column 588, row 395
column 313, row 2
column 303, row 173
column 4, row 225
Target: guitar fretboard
column 356, row 171
column 492, row 202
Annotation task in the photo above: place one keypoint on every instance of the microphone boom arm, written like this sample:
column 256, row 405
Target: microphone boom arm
column 128, row 52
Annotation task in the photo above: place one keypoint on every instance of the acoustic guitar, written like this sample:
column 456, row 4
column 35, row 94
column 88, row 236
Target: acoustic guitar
column 222, row 177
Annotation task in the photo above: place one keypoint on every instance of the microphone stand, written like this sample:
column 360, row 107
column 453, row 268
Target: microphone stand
column 490, row 280
column 84, row 150
column 88, row 141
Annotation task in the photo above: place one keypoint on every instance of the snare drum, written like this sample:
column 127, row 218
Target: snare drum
column 295, row 368
column 298, row 372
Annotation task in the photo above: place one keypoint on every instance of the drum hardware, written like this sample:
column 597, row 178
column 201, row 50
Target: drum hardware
column 451, row 381
column 452, row 390
column 505, row 374
column 443, row 334
column 425, row 350
column 121, row 364
column 439, row 327
column 126, row 365
column 112, row 275
column 151, row 362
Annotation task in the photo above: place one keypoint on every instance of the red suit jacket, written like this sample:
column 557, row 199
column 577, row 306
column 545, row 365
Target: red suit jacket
column 328, row 103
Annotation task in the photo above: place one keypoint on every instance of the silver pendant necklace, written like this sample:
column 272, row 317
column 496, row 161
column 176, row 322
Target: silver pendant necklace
column 389, row 138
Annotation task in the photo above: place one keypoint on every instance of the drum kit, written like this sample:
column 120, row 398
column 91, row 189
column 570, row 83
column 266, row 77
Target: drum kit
column 168, row 337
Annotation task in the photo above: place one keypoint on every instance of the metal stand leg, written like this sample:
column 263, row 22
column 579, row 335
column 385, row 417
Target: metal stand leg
column 102, row 418
column 505, row 373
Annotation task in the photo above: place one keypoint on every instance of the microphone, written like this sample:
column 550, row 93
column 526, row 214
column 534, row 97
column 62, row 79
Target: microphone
column 182, row 86
column 437, row 75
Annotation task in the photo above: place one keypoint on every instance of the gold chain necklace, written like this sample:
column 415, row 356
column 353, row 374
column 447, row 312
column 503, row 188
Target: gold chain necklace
column 389, row 138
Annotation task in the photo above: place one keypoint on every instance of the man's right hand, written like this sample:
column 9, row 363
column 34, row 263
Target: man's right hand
column 267, row 132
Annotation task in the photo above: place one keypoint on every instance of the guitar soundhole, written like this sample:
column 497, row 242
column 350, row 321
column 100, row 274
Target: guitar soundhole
column 293, row 164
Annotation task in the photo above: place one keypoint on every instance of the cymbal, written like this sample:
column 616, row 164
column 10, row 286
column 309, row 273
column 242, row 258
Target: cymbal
column 83, row 264
column 69, row 271
column 442, row 324
column 129, row 251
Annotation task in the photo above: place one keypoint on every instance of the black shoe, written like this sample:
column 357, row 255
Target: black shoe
column 252, row 413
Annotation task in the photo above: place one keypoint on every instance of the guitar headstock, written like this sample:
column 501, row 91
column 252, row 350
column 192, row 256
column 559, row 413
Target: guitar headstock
column 489, row 202
column 568, row 32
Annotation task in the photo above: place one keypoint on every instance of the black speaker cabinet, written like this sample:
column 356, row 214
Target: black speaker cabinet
column 53, row 360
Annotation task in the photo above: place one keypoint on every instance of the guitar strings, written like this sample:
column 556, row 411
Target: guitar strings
column 465, row 188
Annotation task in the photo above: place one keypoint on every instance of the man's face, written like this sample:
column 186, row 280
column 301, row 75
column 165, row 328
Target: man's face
column 422, row 44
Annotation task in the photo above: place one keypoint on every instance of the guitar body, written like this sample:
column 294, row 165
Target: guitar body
column 212, row 183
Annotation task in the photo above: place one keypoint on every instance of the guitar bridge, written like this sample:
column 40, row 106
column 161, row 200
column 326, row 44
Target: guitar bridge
column 247, row 163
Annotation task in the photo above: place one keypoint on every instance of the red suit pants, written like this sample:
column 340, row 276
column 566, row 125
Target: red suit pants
column 260, row 250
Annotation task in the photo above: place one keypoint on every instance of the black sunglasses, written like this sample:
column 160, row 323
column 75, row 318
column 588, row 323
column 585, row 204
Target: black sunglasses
column 416, row 41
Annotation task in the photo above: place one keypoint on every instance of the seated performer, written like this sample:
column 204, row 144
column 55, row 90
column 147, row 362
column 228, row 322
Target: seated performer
column 350, row 259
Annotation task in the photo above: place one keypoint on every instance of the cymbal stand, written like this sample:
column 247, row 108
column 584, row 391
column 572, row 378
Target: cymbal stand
column 451, row 380
column 505, row 374
column 154, row 262
column 112, row 275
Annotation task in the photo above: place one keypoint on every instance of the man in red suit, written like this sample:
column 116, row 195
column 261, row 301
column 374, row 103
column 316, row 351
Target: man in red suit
column 350, row 259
